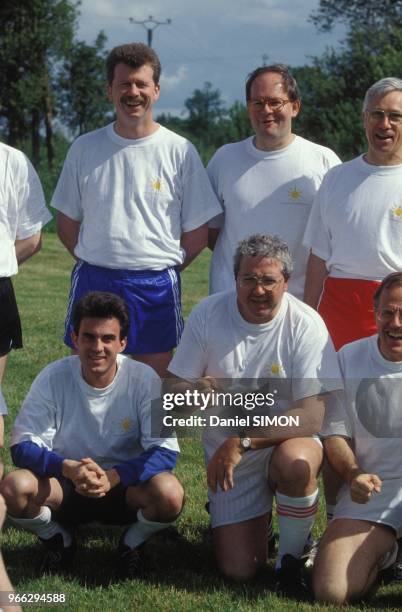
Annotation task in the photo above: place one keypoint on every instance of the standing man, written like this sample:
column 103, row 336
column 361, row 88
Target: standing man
column 133, row 201
column 355, row 229
column 23, row 213
column 259, row 331
column 267, row 182
column 368, row 515
column 85, row 443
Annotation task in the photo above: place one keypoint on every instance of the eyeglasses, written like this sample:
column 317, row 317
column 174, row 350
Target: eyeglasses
column 274, row 104
column 387, row 314
column 379, row 115
column 250, row 282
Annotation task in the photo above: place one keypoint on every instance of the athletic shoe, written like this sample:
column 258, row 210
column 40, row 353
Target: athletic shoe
column 58, row 557
column 291, row 579
column 309, row 553
column 390, row 569
column 131, row 560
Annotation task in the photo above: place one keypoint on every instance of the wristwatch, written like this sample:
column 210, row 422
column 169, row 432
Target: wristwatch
column 245, row 443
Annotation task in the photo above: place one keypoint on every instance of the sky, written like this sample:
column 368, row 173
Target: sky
column 220, row 41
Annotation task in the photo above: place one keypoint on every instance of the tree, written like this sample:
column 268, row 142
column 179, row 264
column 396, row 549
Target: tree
column 84, row 105
column 206, row 109
column 334, row 87
column 34, row 37
column 378, row 14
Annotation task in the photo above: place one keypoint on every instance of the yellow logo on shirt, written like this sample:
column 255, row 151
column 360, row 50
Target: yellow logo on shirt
column 276, row 369
column 126, row 424
column 397, row 211
column 295, row 194
column 157, row 184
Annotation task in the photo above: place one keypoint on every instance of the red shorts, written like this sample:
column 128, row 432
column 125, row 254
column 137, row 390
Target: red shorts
column 347, row 308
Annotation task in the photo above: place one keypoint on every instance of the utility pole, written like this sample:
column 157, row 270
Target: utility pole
column 264, row 59
column 150, row 25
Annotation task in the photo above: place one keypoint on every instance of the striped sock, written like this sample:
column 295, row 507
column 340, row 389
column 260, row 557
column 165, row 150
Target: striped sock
column 295, row 518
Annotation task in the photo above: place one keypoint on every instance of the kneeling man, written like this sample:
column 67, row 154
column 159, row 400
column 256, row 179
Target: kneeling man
column 368, row 514
column 259, row 331
column 83, row 442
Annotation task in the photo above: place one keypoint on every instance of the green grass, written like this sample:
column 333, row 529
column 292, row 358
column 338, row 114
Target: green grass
column 182, row 574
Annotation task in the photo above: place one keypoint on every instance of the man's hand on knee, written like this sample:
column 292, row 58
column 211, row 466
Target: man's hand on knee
column 221, row 467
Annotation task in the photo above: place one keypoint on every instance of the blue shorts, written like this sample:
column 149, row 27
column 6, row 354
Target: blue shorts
column 153, row 300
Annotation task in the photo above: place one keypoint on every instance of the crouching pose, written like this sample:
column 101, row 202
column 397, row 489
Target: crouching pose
column 84, row 445
column 360, row 540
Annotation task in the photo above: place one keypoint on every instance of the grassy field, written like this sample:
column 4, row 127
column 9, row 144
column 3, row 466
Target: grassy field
column 182, row 575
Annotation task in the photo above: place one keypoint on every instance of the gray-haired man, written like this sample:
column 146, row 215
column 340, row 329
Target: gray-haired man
column 259, row 331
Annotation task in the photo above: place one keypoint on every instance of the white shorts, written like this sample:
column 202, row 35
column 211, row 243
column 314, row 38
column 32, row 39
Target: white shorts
column 251, row 495
column 384, row 508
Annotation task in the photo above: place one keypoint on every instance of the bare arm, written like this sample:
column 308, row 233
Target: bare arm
column 5, row 583
column 213, row 233
column 315, row 276
column 27, row 247
column 68, row 230
column 193, row 243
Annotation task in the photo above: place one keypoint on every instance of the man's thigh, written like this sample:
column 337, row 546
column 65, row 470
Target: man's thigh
column 241, row 548
column 348, row 556
column 251, row 496
column 25, row 491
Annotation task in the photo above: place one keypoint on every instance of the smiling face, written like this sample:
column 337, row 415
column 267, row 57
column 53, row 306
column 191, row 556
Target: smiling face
column 389, row 323
column 384, row 139
column 98, row 343
column 258, row 304
column 133, row 93
column 273, row 130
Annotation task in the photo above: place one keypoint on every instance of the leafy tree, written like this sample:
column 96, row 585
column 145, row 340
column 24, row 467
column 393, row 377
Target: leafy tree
column 334, row 87
column 378, row 14
column 35, row 35
column 84, row 105
column 206, row 109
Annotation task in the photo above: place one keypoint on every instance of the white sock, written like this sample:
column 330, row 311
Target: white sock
column 139, row 532
column 330, row 512
column 42, row 525
column 295, row 518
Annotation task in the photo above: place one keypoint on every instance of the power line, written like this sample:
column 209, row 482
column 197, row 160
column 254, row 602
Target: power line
column 150, row 25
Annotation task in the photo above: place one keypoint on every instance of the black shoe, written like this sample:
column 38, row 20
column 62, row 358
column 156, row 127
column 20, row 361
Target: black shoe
column 131, row 560
column 58, row 557
column 393, row 573
column 291, row 579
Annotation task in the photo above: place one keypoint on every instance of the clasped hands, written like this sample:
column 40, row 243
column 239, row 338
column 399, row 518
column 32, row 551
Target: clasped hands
column 89, row 479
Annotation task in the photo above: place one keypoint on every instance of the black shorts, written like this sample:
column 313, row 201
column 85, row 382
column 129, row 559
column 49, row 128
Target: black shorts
column 112, row 509
column 10, row 324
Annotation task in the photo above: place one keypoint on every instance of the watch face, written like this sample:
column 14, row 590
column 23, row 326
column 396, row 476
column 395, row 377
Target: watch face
column 246, row 443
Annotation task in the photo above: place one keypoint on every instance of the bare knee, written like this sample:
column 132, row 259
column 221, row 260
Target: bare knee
column 237, row 570
column 329, row 591
column 166, row 496
column 17, row 488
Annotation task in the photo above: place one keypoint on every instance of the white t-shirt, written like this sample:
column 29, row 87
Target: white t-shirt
column 356, row 221
column 294, row 348
column 3, row 405
column 370, row 412
column 267, row 192
column 66, row 415
column 134, row 198
column 23, row 211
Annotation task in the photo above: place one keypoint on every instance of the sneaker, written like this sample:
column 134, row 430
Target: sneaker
column 58, row 557
column 391, row 572
column 309, row 553
column 131, row 560
column 291, row 579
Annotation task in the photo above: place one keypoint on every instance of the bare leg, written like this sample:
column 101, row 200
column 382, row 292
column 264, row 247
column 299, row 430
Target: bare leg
column 158, row 361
